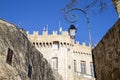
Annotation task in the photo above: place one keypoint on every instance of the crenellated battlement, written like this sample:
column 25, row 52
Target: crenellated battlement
column 59, row 47
column 46, row 40
column 46, row 33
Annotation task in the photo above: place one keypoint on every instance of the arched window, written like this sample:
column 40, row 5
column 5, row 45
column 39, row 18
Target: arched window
column 9, row 56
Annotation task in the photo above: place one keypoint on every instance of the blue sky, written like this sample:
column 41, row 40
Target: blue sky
column 35, row 14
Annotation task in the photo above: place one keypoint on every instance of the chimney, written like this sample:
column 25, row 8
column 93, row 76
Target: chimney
column 117, row 6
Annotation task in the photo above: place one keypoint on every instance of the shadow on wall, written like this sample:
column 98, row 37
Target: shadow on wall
column 19, row 59
column 107, row 55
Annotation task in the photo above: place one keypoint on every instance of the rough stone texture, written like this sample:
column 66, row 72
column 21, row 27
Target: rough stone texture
column 107, row 55
column 117, row 6
column 24, row 53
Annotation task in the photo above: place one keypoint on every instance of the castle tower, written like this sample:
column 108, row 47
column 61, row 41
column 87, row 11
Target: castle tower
column 117, row 6
column 72, row 60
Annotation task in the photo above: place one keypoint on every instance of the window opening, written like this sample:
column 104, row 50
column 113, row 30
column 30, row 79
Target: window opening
column 83, row 67
column 55, row 62
column 74, row 65
column 56, row 45
column 91, row 69
column 29, row 71
column 9, row 56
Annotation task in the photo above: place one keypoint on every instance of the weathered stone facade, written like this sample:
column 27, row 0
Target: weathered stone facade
column 107, row 55
column 19, row 59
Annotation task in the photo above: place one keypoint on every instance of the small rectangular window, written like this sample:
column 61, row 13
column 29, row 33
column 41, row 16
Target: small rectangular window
column 55, row 62
column 91, row 69
column 29, row 71
column 9, row 56
column 56, row 45
column 74, row 65
column 83, row 67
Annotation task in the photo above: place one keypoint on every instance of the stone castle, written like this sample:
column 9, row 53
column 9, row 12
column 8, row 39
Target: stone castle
column 71, row 60
column 22, row 56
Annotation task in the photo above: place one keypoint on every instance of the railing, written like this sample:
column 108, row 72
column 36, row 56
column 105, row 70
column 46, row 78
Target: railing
column 80, row 76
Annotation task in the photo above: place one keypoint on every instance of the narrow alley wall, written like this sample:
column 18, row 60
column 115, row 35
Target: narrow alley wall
column 19, row 59
column 106, row 55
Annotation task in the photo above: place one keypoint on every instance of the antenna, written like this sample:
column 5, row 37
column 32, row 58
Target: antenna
column 60, row 28
column 47, row 27
column 59, row 24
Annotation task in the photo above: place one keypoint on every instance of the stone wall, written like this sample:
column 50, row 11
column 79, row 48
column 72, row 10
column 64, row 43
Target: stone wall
column 106, row 55
column 117, row 6
column 25, row 57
